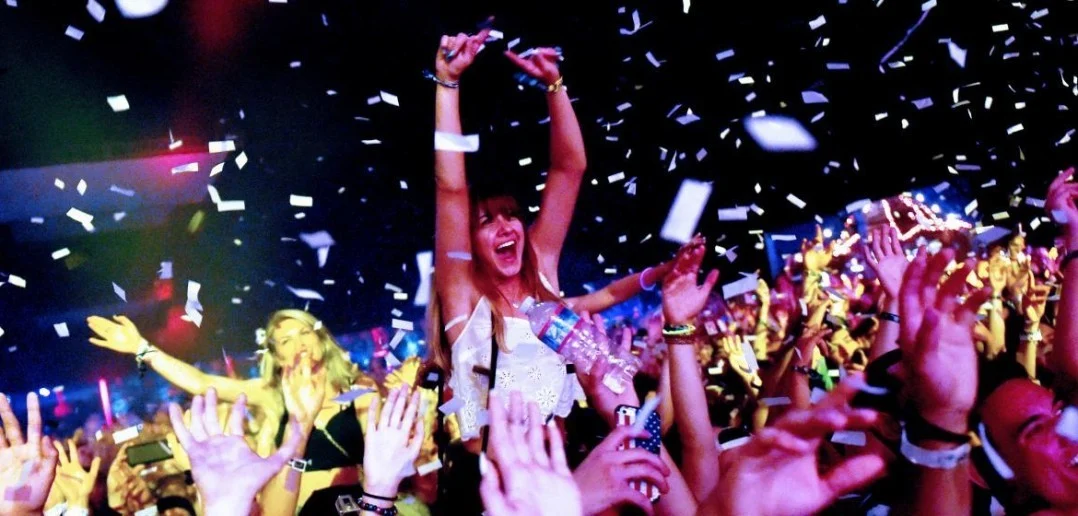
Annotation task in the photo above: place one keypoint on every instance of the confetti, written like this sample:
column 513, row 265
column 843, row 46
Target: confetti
column 742, row 286
column 119, row 292
column 812, row 97
column 739, row 213
column 122, row 191
column 725, row 54
column 81, row 187
column 653, row 60
column 217, row 169
column 74, row 33
column 958, row 54
column 779, row 133
column 425, row 266
column 398, row 324
column 96, row 10
column 241, row 160
column 685, row 213
column 61, row 330
column 349, row 396
column 818, row 22
column 183, row 169
column 301, row 201
column 849, row 437
column 794, row 200
column 118, row 103
column 222, row 146
column 389, row 98
column 304, row 293
column 59, row 183
column 456, row 142
column 62, row 253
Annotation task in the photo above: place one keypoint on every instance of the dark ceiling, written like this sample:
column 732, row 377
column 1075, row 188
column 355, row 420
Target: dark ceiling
column 208, row 70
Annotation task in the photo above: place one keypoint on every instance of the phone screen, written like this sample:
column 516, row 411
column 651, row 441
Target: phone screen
column 148, row 453
column 626, row 416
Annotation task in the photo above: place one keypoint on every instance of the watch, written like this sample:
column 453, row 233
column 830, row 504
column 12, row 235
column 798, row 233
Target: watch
column 935, row 459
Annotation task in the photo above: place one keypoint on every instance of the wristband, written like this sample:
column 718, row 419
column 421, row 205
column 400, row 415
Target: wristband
column 919, row 430
column 383, row 498
column 380, row 511
column 935, row 459
column 299, row 465
column 441, row 82
column 642, row 285
column 145, row 349
column 888, row 316
column 681, row 330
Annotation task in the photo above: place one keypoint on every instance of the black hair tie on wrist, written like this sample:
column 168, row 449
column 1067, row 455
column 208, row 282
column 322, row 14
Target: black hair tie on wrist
column 383, row 498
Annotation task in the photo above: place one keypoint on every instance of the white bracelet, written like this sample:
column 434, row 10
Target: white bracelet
column 935, row 459
column 57, row 510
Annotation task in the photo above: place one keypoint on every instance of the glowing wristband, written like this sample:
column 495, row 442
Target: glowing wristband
column 643, row 286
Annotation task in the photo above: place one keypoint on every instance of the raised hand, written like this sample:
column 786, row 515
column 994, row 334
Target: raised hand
column 886, row 258
column 74, row 482
column 1061, row 197
column 542, row 64
column 227, row 472
column 456, row 54
column 393, row 441
column 815, row 254
column 778, row 472
column 304, row 389
column 526, row 478
column 1034, row 304
column 682, row 297
column 27, row 467
column 119, row 334
column 937, row 340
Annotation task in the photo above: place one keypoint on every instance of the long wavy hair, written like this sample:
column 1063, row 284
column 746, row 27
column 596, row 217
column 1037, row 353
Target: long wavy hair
column 341, row 373
column 483, row 279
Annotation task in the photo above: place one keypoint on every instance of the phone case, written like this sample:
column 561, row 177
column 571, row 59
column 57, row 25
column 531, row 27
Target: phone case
column 626, row 416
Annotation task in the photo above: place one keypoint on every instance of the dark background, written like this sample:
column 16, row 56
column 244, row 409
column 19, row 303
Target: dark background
column 196, row 66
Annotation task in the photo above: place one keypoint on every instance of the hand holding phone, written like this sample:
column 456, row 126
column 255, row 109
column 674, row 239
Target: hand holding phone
column 627, row 416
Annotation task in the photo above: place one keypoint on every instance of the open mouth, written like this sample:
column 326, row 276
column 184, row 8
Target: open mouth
column 506, row 249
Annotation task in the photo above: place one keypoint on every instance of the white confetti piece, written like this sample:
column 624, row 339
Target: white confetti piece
column 1015, row 128
column 1038, row 14
column 428, row 468
column 61, row 253
column 389, row 98
column 849, row 437
column 122, row 191
column 742, row 286
column 525, row 162
column 923, row 103
column 140, row 8
column 224, row 206
column 725, row 54
column 81, row 187
column 119, row 292
column 971, row 207
column 794, row 200
column 16, row 281
column 818, row 22
column 687, row 118
column 165, row 272
column 1000, row 28
column 59, row 183
column 96, row 10
column 304, row 293
column 118, row 103
column 185, row 168
column 739, row 213
column 779, row 133
column 2, row 334
column 398, row 324
column 393, row 288
column 241, row 160
column 838, row 66
column 686, row 210
column 425, row 266
column 613, row 178
column 456, row 142
column 74, row 33
column 80, row 216
column 958, row 54
column 217, row 169
column 349, row 396
column 61, row 330
column 653, row 60
column 813, row 97
column 222, row 146
column 301, row 201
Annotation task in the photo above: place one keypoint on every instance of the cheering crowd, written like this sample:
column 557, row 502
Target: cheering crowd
column 934, row 381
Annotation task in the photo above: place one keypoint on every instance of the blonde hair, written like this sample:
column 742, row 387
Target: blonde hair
column 533, row 285
column 341, row 373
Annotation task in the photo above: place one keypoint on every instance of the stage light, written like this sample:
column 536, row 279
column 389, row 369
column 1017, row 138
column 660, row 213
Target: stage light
column 140, row 8
column 106, row 404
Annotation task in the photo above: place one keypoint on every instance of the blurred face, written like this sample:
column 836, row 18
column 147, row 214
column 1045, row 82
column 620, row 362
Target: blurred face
column 498, row 236
column 296, row 342
column 1021, row 418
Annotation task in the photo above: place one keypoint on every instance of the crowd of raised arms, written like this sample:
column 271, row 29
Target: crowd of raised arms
column 934, row 382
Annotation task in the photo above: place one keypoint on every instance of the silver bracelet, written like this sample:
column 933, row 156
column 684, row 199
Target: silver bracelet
column 448, row 84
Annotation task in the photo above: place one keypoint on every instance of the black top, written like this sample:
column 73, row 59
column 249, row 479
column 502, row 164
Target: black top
column 322, row 452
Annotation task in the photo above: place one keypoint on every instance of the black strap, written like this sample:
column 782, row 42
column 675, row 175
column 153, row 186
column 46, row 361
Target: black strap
column 491, row 378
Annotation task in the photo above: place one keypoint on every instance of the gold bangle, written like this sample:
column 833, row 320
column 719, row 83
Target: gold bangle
column 681, row 330
column 556, row 86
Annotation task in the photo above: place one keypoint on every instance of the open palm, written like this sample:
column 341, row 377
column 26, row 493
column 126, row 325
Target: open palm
column 27, row 467
column 225, row 469
column 887, row 259
column 682, row 297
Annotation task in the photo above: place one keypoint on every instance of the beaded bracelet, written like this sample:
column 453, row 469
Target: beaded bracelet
column 380, row 511
column 681, row 330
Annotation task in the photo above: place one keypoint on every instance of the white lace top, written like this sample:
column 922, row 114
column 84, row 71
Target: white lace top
column 529, row 367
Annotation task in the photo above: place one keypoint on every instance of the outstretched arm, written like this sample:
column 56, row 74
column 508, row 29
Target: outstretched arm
column 567, row 161
column 123, row 336
column 1061, row 198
